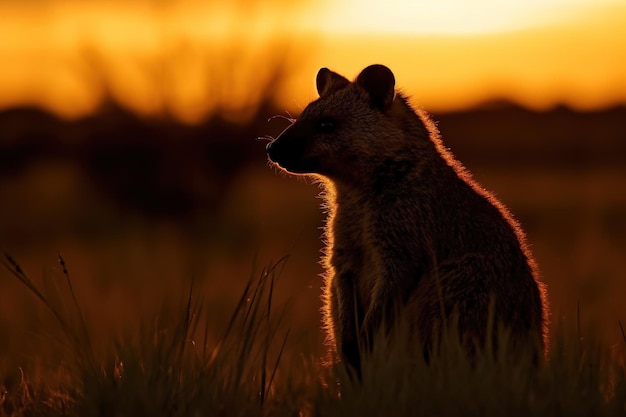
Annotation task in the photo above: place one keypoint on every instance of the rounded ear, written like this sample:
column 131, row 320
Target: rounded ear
column 328, row 82
column 379, row 82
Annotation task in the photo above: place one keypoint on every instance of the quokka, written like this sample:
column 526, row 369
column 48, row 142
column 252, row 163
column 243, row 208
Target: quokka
column 408, row 231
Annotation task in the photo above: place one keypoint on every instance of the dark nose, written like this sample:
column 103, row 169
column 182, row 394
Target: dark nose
column 269, row 145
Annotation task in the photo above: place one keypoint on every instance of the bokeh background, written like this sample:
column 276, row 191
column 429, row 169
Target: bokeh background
column 128, row 143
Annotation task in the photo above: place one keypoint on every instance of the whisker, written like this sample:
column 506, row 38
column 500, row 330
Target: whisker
column 289, row 118
column 267, row 138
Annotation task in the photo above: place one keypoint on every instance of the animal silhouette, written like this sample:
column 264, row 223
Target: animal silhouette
column 408, row 230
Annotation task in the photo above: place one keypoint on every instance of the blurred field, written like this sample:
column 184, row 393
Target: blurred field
column 140, row 208
column 143, row 209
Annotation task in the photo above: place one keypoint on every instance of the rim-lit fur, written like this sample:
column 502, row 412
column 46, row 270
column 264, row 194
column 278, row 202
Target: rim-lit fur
column 408, row 229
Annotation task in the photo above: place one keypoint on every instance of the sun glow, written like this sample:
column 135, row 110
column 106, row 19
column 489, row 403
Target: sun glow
column 450, row 17
column 192, row 59
column 455, row 54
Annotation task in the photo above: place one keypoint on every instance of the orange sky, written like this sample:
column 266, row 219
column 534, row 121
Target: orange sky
column 191, row 58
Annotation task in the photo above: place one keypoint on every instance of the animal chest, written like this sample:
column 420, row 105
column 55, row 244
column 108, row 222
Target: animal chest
column 355, row 257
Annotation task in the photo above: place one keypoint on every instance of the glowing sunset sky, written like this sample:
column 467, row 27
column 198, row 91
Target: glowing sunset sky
column 191, row 58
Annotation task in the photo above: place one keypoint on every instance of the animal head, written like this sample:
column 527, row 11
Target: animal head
column 351, row 128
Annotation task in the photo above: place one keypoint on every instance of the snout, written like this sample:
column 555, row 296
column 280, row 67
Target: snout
column 282, row 152
column 283, row 149
column 290, row 150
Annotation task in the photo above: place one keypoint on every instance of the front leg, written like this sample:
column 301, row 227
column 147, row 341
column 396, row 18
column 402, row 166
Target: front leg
column 379, row 317
column 347, row 317
column 388, row 303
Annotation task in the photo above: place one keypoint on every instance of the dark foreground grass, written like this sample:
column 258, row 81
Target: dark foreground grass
column 174, row 365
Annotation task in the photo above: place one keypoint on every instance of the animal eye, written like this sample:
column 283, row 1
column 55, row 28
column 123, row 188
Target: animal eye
column 326, row 125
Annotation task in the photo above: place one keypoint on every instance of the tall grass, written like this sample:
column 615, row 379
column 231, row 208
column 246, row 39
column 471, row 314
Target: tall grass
column 169, row 366
column 175, row 365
